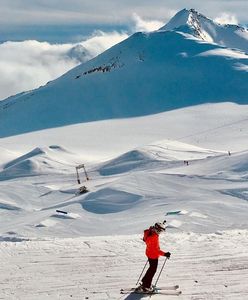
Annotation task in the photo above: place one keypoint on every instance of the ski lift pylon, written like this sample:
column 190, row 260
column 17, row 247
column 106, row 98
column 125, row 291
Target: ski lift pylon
column 82, row 166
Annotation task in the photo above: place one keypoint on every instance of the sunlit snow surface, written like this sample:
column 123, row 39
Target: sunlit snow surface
column 139, row 169
column 138, row 175
column 206, row 266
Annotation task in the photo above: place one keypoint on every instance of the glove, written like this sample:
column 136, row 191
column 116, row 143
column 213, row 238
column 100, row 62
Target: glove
column 167, row 254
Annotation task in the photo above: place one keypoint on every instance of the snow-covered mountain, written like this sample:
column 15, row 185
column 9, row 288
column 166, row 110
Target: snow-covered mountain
column 147, row 73
column 193, row 23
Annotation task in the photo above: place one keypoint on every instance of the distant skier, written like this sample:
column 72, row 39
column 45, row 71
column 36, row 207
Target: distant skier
column 151, row 238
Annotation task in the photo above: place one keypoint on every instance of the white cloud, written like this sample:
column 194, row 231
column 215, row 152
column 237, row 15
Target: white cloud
column 27, row 65
column 101, row 41
column 226, row 18
column 145, row 25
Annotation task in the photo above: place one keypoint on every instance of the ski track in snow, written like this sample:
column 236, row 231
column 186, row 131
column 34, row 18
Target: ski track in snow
column 206, row 266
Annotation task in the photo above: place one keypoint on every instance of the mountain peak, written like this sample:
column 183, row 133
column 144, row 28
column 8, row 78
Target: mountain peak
column 191, row 20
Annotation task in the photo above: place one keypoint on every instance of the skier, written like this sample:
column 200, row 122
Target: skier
column 151, row 238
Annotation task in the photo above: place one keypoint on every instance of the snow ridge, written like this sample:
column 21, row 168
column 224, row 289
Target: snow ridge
column 194, row 23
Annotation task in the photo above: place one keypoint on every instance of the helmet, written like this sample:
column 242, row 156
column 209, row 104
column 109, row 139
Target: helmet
column 159, row 227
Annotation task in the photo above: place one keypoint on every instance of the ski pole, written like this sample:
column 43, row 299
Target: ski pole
column 141, row 273
column 161, row 271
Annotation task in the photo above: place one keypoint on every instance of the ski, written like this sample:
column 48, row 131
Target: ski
column 157, row 292
column 169, row 292
column 169, row 287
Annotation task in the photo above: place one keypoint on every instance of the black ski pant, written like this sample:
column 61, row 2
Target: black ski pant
column 147, row 279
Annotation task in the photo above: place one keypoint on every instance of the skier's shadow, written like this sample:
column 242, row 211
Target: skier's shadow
column 135, row 296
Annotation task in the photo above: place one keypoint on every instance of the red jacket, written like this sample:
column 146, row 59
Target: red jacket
column 152, row 244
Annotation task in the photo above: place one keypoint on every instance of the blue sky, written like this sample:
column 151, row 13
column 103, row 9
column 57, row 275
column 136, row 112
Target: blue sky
column 65, row 20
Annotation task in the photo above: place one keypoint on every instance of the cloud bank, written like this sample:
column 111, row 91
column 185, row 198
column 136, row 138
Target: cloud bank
column 27, row 65
column 45, row 12
column 226, row 18
column 145, row 25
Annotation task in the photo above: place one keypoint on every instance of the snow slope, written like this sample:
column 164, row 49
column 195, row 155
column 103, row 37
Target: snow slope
column 39, row 161
column 137, row 176
column 206, row 266
column 147, row 73
column 215, row 126
column 137, row 167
